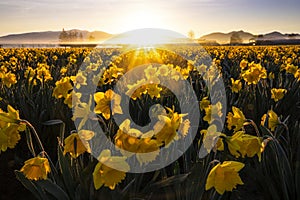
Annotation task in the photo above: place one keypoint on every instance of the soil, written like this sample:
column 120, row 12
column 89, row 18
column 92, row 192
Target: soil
column 10, row 187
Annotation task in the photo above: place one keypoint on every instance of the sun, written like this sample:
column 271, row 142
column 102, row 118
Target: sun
column 146, row 37
column 144, row 28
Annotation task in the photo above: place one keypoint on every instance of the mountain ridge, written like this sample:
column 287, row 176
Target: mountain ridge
column 246, row 37
column 95, row 36
column 54, row 36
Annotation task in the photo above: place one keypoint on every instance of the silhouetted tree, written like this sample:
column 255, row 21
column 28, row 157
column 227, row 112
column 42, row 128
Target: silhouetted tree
column 80, row 37
column 191, row 34
column 63, row 36
column 236, row 39
column 69, row 36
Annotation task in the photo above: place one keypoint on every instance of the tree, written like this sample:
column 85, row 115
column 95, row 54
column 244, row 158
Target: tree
column 63, row 36
column 191, row 34
column 80, row 37
column 236, row 39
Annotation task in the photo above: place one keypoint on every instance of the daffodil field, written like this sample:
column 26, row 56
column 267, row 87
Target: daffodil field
column 246, row 146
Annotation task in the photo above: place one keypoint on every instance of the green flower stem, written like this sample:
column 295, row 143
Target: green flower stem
column 255, row 127
column 34, row 133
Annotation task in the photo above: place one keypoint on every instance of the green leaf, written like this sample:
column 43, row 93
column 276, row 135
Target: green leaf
column 52, row 189
column 53, row 122
column 65, row 169
column 173, row 180
column 29, row 185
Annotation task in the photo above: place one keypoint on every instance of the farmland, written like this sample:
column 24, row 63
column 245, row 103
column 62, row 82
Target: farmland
column 229, row 116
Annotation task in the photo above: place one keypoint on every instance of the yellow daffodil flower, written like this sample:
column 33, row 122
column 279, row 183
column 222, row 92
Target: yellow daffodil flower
column 62, row 87
column 213, row 112
column 204, row 103
column 270, row 119
column 254, row 73
column 211, row 137
column 236, row 85
column 243, row 64
column 74, row 145
column 9, row 79
column 107, row 176
column 104, row 101
column 36, row 168
column 235, row 119
column 224, row 177
column 277, row 94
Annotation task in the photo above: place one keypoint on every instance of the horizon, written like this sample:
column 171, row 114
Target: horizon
column 115, row 17
column 90, row 31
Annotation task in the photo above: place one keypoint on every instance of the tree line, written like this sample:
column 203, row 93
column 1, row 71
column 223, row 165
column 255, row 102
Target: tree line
column 73, row 36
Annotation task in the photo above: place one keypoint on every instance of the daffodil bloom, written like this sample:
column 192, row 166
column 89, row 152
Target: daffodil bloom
column 11, row 116
column 204, row 103
column 9, row 79
column 251, row 146
column 235, row 119
column 213, row 112
column 234, row 142
column 241, row 144
column 224, row 177
column 104, row 172
column 104, row 101
column 277, row 94
column 10, row 127
column 72, row 99
column 79, row 79
column 30, row 74
column 131, row 141
column 184, row 72
column 83, row 111
column 163, row 70
column 201, row 69
column 254, row 73
column 150, row 72
column 148, row 150
column 63, row 70
column 144, row 87
column 36, row 168
column 271, row 76
column 236, row 85
column 166, row 129
column 290, row 68
column 9, row 136
column 74, row 145
column 153, row 90
column 127, row 138
column 92, row 67
column 62, row 87
column 210, row 138
column 136, row 90
column 212, row 75
column 43, row 74
column 243, row 64
column 112, row 73
column 270, row 120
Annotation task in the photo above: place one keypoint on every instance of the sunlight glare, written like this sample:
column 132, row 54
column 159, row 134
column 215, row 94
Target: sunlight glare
column 146, row 37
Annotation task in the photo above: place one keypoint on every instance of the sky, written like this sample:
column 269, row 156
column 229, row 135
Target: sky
column 117, row 16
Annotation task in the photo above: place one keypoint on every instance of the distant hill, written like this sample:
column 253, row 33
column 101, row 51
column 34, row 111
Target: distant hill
column 224, row 38
column 217, row 38
column 273, row 37
column 53, row 37
column 278, row 36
